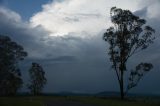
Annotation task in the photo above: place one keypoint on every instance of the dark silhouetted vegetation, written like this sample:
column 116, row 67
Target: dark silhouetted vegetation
column 128, row 36
column 37, row 79
column 10, row 76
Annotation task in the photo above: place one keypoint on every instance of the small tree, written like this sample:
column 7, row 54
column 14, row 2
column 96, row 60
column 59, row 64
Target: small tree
column 10, row 55
column 127, row 37
column 37, row 79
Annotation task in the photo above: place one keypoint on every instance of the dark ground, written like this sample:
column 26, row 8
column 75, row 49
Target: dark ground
column 77, row 101
column 66, row 103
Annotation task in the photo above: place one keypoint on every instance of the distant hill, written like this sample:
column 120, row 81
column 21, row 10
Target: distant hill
column 107, row 94
column 100, row 94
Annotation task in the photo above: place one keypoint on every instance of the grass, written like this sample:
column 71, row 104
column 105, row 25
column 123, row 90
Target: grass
column 28, row 100
column 115, row 101
column 20, row 101
column 41, row 100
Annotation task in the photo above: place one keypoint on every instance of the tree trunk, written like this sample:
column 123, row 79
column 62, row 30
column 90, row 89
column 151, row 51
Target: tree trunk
column 122, row 90
column 122, row 86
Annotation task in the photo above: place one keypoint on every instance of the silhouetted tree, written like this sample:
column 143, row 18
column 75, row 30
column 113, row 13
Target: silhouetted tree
column 10, row 76
column 37, row 79
column 127, row 37
column 136, row 74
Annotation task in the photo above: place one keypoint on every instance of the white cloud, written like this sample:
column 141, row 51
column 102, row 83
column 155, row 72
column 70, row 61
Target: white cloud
column 78, row 16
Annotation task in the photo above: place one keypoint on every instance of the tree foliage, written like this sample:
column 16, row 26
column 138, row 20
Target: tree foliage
column 10, row 76
column 137, row 74
column 37, row 79
column 127, row 36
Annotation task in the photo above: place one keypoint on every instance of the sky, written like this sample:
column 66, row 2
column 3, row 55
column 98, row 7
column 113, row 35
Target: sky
column 65, row 37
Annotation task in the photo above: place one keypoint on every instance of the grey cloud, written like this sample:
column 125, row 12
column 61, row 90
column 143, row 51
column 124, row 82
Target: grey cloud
column 89, row 15
column 68, row 19
column 59, row 59
column 76, row 17
column 73, row 63
column 11, row 25
column 142, row 12
column 64, row 58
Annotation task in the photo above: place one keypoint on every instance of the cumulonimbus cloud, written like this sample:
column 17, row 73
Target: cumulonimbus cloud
column 80, row 51
column 67, row 16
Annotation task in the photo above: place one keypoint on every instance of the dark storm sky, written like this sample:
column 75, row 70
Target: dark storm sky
column 65, row 37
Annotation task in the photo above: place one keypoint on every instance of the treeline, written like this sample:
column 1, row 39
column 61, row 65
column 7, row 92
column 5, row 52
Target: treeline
column 11, row 80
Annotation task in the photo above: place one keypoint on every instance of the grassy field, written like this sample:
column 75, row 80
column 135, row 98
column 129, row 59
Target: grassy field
column 42, row 100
